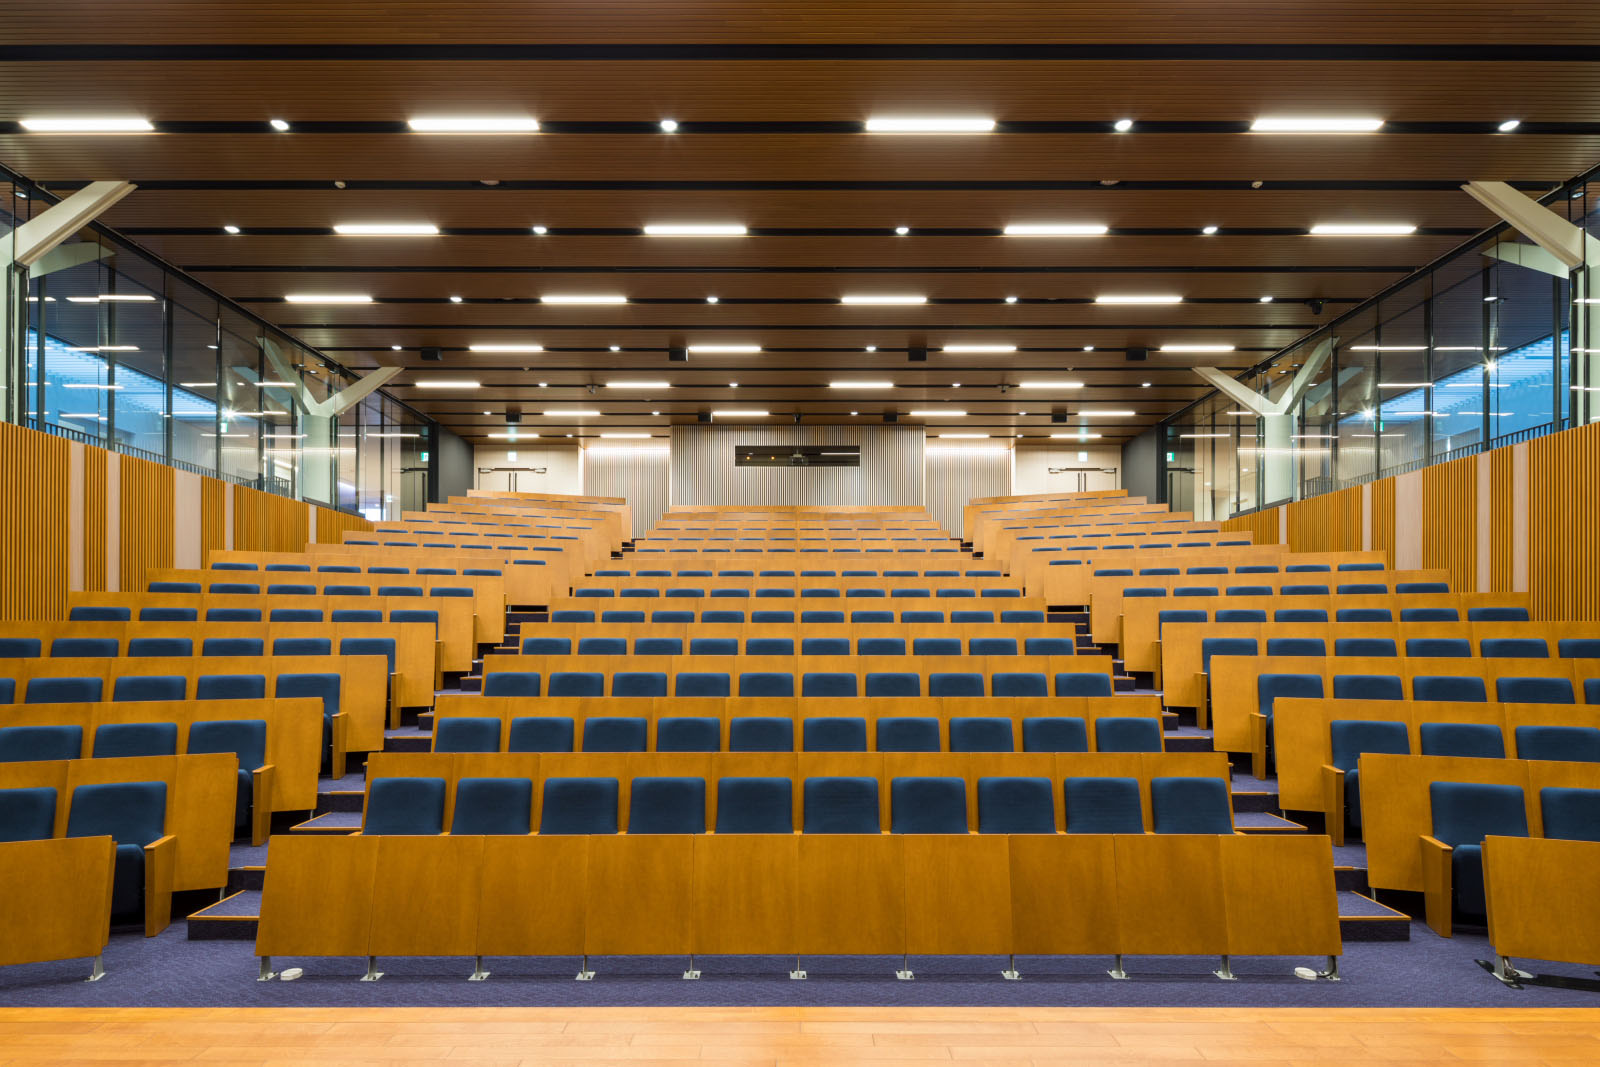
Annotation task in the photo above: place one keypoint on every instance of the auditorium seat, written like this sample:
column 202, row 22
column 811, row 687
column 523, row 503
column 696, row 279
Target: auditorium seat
column 1299, row 615
column 667, row 806
column 33, row 744
column 131, row 687
column 1190, row 806
column 1464, row 813
column 881, row 646
column 1015, row 806
column 936, row 646
column 27, row 814
column 1241, row 615
column 1368, row 687
column 1350, row 739
column 1081, row 684
column 1363, row 615
column 540, row 733
column 1534, row 691
column 19, row 647
column 1021, row 684
column 972, row 616
column 1448, row 687
column 1296, row 646
column 492, row 806
column 579, row 806
column 922, row 616
column 755, row 806
column 62, row 691
column 1473, row 739
column 760, row 733
column 83, row 647
column 841, row 806
column 834, row 734
column 615, row 733
column 824, row 646
column 1049, row 646
column 1572, row 744
column 463, row 733
column 639, row 684
column 1102, row 806
column 871, row 616
column 1054, row 734
column 230, row 687
column 955, row 684
column 562, row 684
column 1225, row 646
column 1364, row 646
column 688, row 734
column 906, row 733
column 1271, row 686
column 970, row 733
column 769, row 646
column 369, row 646
column 99, row 613
column 812, row 684
column 1497, row 614
column 602, row 646
column 302, row 646
column 119, row 739
column 132, row 814
column 1126, row 734
column 1429, row 615
column 1570, row 814
column 925, row 805
column 1513, row 648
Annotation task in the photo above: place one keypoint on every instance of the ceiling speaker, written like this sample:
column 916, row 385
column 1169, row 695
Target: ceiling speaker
column 917, row 354
column 891, row 416
column 677, row 354
column 513, row 416
column 1137, row 355
column 1058, row 416
column 432, row 355
column 702, row 416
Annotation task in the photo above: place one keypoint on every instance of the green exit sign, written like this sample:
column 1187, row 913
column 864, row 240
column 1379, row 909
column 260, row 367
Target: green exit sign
column 1172, row 457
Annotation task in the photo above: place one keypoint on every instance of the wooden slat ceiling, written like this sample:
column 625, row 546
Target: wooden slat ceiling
column 781, row 87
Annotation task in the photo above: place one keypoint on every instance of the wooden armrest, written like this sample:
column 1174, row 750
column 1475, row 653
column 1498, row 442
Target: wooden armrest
column 1333, row 802
column 1437, row 887
column 160, row 863
column 261, row 780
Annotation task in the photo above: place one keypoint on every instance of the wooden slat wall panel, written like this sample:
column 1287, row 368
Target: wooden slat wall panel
column 266, row 523
column 1450, row 520
column 892, row 467
column 643, row 476
column 957, row 475
column 1262, row 526
column 1563, row 537
column 1502, row 547
column 1328, row 523
column 94, row 518
column 146, row 520
column 213, row 517
column 1383, row 519
column 34, row 537
column 333, row 525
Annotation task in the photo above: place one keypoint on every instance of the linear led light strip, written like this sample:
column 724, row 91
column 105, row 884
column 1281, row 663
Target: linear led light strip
column 1196, row 348
column 883, row 298
column 695, row 229
column 931, row 413
column 386, row 229
column 514, row 436
column 505, row 348
column 328, row 298
column 1078, row 436
column 638, row 385
column 1362, row 229
column 1056, row 229
column 724, row 350
column 1336, row 124
column 447, row 383
column 109, row 298
column 1049, row 385
column 981, row 349
column 726, row 413
column 473, row 124
column 860, row 385
column 88, row 125
column 106, row 348
column 577, row 413
column 929, row 124
column 1136, row 298
column 583, row 298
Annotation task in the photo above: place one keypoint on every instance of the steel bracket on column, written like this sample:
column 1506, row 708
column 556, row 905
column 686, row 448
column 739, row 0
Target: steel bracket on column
column 1253, row 401
column 337, row 403
column 1558, row 246
column 30, row 242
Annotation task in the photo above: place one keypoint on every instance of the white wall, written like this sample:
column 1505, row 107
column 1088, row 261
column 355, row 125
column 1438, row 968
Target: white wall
column 642, row 476
column 1033, row 469
column 891, row 470
column 562, row 470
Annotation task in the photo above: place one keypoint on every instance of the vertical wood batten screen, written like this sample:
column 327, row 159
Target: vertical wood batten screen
column 333, row 525
column 1262, row 526
column 266, row 523
column 33, row 560
column 95, row 489
column 1450, row 520
column 892, row 467
column 641, row 475
column 955, row 475
column 1329, row 523
column 145, row 536
column 1563, row 534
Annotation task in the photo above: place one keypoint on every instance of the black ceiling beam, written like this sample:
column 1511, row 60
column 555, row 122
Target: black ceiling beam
column 1452, row 185
column 533, row 268
column 762, row 231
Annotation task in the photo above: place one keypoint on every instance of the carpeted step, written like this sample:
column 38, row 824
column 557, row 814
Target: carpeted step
column 1255, row 801
column 340, row 800
column 1264, row 822
column 245, row 878
column 1188, row 742
column 425, row 722
column 471, row 683
column 418, row 742
column 1363, row 919
column 342, row 823
column 234, row 918
column 1351, row 880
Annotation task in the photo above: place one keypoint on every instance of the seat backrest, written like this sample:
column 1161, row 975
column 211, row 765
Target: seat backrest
column 404, row 806
column 684, row 733
column 1368, row 687
column 1362, row 615
column 1497, row 614
column 769, row 646
column 62, row 691
column 130, row 813
column 893, row 684
column 639, row 684
column 564, row 684
column 713, row 646
column 1429, row 615
column 1019, row 684
column 541, row 733
column 602, row 646
column 813, row 684
column 1568, row 814
column 1015, row 806
column 245, row 738
column 1534, row 691
column 881, row 646
column 1190, row 806
column 1241, row 615
column 1081, row 684
column 834, row 733
column 926, row 805
column 1464, row 813
column 149, row 687
column 906, row 733
column 579, row 806
column 615, row 733
column 100, row 613
column 936, row 646
column 955, row 684
column 546, row 646
column 83, row 647
column 1225, row 646
column 466, row 733
column 841, row 806
column 1477, row 739
column 1299, row 615
column 19, row 647
column 118, row 739
column 1514, row 648
column 755, row 806
column 1296, row 646
column 667, row 806
column 492, row 806
column 1578, row 647
column 1049, row 646
column 1571, row 744
column 1448, row 687
column 1054, row 734
column 1103, row 806
column 981, row 734
column 27, row 814
column 1350, row 738
column 1363, row 646
column 325, row 686
column 1118, row 733
column 302, row 646
column 760, row 733
column 1269, row 687
column 34, row 744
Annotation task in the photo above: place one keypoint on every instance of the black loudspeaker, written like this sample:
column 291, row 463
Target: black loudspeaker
column 1058, row 416
column 513, row 416
column 432, row 355
column 702, row 416
column 677, row 354
column 917, row 354
column 891, row 416
column 1137, row 355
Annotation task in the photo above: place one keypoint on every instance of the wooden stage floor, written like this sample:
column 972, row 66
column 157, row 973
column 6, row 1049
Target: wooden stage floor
column 899, row 1036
